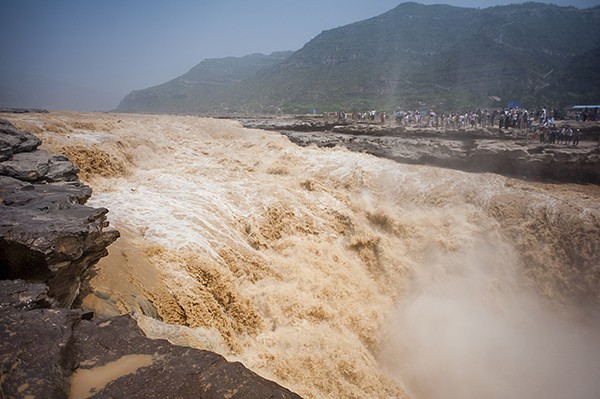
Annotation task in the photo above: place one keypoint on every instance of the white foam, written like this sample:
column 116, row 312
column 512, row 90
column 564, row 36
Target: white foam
column 326, row 244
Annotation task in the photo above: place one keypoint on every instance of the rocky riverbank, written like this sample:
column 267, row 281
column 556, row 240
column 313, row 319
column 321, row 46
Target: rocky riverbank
column 49, row 242
column 510, row 152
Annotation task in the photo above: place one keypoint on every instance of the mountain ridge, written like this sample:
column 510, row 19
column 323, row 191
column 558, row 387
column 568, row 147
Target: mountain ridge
column 434, row 56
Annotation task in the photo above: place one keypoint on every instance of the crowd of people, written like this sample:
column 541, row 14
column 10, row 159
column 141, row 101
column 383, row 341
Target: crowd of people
column 503, row 118
column 588, row 114
column 553, row 135
column 541, row 123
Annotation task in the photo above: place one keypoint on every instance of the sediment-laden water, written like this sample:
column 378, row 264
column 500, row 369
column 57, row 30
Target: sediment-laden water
column 339, row 274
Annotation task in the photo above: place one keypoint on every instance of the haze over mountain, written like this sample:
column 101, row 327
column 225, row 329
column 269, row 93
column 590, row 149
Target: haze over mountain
column 435, row 56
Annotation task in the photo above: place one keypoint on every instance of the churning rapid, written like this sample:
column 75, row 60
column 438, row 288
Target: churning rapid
column 339, row 274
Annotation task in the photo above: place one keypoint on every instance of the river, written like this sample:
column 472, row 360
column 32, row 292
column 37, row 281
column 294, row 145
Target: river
column 340, row 274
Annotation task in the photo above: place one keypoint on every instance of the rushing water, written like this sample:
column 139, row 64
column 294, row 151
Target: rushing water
column 338, row 274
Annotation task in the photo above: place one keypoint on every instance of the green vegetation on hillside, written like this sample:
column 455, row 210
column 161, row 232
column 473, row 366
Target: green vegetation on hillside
column 414, row 56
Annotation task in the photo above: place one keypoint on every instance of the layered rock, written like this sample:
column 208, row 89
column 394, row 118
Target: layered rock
column 504, row 151
column 14, row 141
column 538, row 162
column 47, row 234
column 49, row 241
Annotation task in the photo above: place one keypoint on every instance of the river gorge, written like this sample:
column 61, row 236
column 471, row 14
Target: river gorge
column 339, row 274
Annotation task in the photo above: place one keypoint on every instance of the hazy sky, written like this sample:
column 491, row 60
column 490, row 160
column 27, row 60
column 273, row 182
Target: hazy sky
column 98, row 51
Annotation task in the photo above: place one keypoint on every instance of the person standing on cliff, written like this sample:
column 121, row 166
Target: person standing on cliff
column 543, row 116
column 433, row 119
column 576, row 137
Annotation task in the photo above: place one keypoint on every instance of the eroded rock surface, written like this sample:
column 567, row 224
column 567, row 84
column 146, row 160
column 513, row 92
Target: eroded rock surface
column 47, row 234
column 509, row 152
column 35, row 342
column 158, row 369
column 473, row 154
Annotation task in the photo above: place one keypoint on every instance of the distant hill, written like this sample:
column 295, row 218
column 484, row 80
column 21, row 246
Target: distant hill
column 414, row 56
column 207, row 87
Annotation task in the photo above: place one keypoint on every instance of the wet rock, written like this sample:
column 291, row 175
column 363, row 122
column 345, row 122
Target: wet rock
column 61, row 169
column 35, row 342
column 295, row 123
column 13, row 141
column 39, row 166
column 58, row 195
column 160, row 369
column 50, row 352
column 47, row 235
column 20, row 295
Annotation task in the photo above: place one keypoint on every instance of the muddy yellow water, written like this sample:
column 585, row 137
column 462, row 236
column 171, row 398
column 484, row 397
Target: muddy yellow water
column 339, row 274
column 86, row 381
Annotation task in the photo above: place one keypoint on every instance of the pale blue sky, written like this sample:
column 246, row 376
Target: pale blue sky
column 85, row 54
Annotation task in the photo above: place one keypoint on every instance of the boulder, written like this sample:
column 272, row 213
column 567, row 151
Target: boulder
column 39, row 166
column 14, row 141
